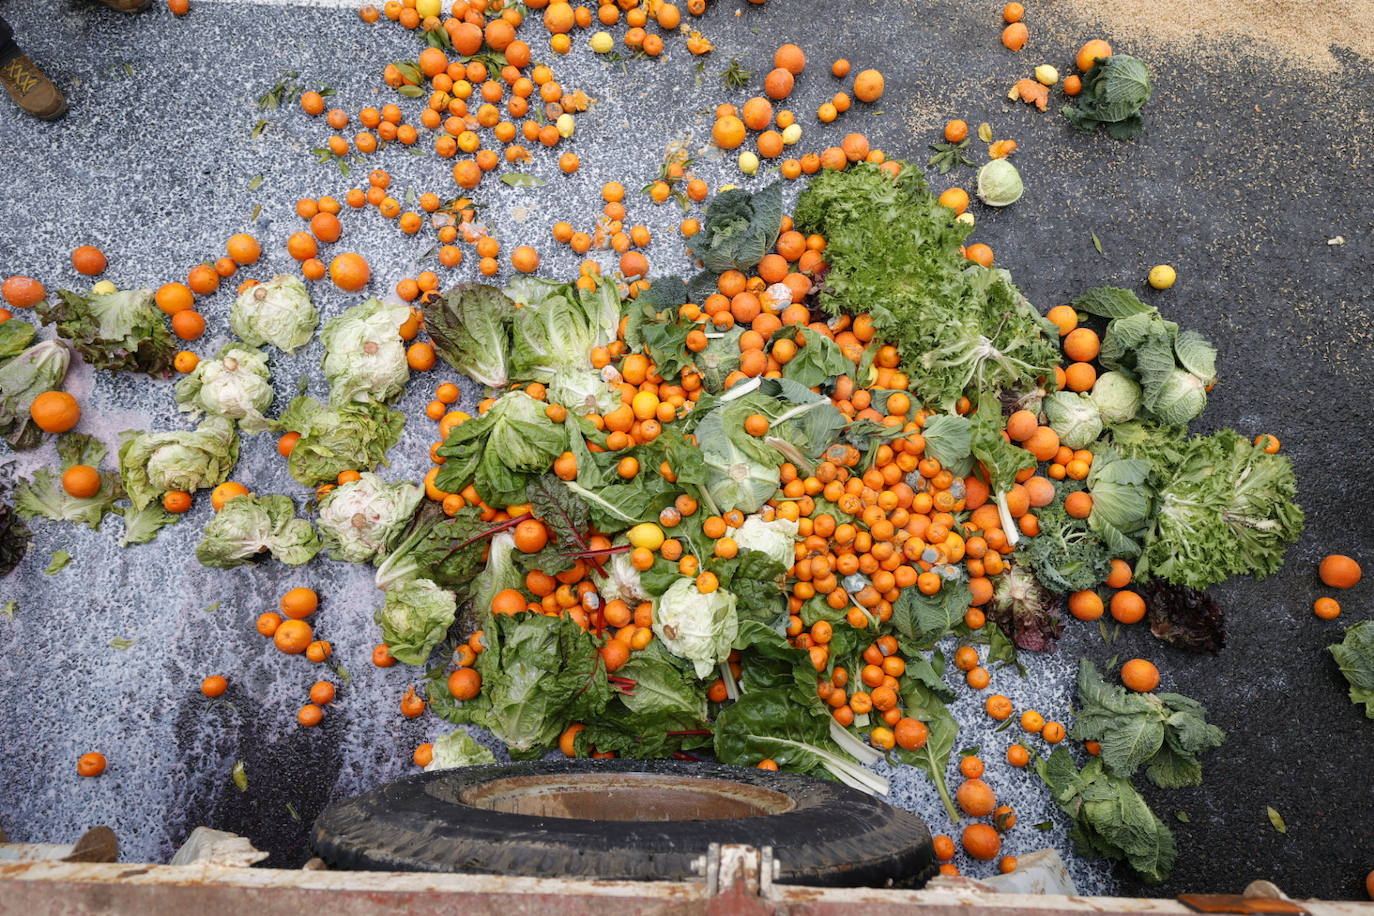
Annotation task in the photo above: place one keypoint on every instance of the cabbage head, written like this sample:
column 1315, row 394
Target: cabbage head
column 361, row 520
column 278, row 312
column 696, row 626
column 1074, row 416
column 364, row 356
column 775, row 538
column 1117, row 397
column 234, row 385
column 414, row 618
column 1182, row 397
column 458, row 749
column 150, row 464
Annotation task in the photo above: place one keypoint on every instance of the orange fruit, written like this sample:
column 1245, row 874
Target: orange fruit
column 778, row 83
column 982, row 842
column 349, row 271
column 1340, row 571
column 293, row 636
column 1090, row 52
column 188, row 324
column 868, row 86
column 1140, row 675
column 89, row 260
column 225, row 492
column 22, row 292
column 55, row 411
column 243, row 248
column 728, row 132
column 174, row 297
column 299, row 603
column 81, row 481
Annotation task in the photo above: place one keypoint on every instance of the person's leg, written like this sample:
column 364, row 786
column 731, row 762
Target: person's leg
column 8, row 48
column 26, row 84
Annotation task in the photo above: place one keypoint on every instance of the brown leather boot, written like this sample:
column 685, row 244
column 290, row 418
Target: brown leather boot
column 31, row 89
column 127, row 6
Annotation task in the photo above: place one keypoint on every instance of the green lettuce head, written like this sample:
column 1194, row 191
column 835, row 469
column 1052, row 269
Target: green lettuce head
column 352, row 436
column 414, row 617
column 247, row 526
column 153, row 463
column 123, row 330
column 40, row 368
column 999, row 183
column 360, row 520
column 458, row 749
column 234, row 385
column 697, row 626
column 1117, row 397
column 364, row 356
column 278, row 312
column 1074, row 417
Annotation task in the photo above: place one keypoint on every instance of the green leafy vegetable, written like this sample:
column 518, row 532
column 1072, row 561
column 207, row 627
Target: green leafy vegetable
column 1109, row 817
column 1223, row 507
column 278, row 312
column 235, row 385
column 1165, row 732
column 740, row 228
column 350, row 436
column 1354, row 655
column 538, row 674
column 1074, row 417
column 999, row 183
column 364, row 356
column 15, row 338
column 894, row 253
column 59, row 561
column 770, row 724
column 555, row 329
column 247, row 526
column 1065, row 556
column 1025, row 610
column 43, row 495
column 458, row 749
column 699, row 627
column 1184, row 617
column 360, row 520
column 923, row 703
column 150, row 464
column 1114, row 91
column 470, row 328
column 119, row 331
column 501, row 451
column 414, row 617
column 1276, row 819
column 142, row 525
column 14, row 534
column 40, row 368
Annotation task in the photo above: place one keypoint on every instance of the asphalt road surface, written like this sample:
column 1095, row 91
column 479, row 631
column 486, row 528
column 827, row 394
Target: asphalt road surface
column 1246, row 171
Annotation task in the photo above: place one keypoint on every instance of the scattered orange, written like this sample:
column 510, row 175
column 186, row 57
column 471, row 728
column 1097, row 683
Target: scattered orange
column 55, row 411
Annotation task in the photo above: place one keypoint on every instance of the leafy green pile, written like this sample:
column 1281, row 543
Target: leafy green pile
column 538, row 673
column 348, row 436
column 1355, row 656
column 470, row 328
column 415, row 617
column 278, row 312
column 1174, row 369
column 1109, row 816
column 150, row 464
column 248, row 526
column 1114, row 91
column 893, row 252
column 121, row 331
column 23, row 377
column 1222, row 506
column 739, row 229
column 1163, row 732
column 501, row 451
column 14, row 534
column 364, row 356
column 235, row 385
column 43, row 495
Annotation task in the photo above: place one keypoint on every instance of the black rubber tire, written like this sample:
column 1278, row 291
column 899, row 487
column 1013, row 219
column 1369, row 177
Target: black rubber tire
column 834, row 836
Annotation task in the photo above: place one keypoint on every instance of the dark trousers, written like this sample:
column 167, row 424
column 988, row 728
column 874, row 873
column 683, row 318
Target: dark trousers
column 7, row 46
